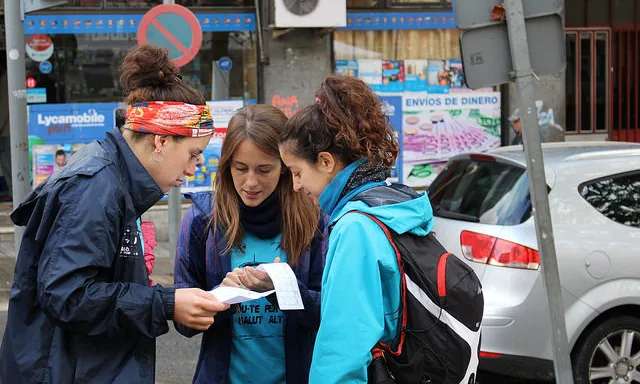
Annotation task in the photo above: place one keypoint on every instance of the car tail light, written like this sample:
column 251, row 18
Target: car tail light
column 491, row 250
column 490, row 355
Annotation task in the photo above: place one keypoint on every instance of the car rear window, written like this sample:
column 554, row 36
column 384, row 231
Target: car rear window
column 617, row 197
column 481, row 191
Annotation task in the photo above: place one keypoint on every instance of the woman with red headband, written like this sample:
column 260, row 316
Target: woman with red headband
column 81, row 309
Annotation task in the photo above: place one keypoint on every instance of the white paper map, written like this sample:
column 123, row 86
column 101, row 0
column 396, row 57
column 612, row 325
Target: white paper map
column 284, row 282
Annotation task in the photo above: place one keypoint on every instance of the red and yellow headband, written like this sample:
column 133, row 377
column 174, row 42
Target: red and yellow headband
column 170, row 118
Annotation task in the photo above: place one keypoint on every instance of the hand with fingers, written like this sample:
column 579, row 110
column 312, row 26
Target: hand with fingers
column 196, row 308
column 249, row 278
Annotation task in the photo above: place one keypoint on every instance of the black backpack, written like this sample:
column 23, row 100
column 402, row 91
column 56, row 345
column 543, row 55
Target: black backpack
column 442, row 307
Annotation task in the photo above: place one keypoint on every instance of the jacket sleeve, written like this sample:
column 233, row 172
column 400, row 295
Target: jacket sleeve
column 310, row 293
column 190, row 265
column 352, row 309
column 74, row 284
column 190, row 269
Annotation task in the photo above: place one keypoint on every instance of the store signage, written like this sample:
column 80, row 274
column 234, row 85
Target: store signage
column 125, row 23
column 173, row 27
column 71, row 123
column 45, row 67
column 39, row 47
column 225, row 64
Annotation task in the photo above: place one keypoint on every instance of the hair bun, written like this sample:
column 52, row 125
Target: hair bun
column 147, row 66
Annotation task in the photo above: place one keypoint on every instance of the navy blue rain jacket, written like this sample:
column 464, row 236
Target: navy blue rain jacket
column 81, row 309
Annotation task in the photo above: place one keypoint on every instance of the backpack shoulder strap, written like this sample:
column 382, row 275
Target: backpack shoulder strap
column 386, row 195
column 403, row 287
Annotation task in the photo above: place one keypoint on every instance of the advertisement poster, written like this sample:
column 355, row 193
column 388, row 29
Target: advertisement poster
column 39, row 47
column 436, row 127
column 370, row 71
column 43, row 159
column 347, row 68
column 435, row 116
column 204, row 178
column 392, row 106
column 223, row 110
column 392, row 76
column 43, row 162
column 71, row 123
column 205, row 175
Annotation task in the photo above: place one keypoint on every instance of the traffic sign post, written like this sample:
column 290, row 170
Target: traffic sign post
column 173, row 27
column 525, row 36
column 176, row 28
column 14, row 12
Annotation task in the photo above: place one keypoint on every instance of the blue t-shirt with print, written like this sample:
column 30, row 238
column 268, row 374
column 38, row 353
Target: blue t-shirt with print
column 257, row 347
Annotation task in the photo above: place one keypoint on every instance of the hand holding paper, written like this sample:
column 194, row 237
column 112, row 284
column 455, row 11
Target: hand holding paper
column 276, row 275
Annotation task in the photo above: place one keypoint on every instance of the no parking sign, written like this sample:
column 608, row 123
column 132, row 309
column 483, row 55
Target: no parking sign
column 173, row 27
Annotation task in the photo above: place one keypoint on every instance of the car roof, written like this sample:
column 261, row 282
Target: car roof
column 556, row 153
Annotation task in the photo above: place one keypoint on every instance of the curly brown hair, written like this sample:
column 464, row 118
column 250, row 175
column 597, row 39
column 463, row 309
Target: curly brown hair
column 347, row 121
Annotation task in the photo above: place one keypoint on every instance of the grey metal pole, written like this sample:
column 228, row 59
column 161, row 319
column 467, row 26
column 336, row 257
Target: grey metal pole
column 174, row 208
column 16, row 77
column 523, row 74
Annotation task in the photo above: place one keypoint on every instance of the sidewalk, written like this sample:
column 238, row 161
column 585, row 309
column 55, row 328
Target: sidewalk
column 162, row 272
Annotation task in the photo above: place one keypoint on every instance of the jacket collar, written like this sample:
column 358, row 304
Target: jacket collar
column 144, row 191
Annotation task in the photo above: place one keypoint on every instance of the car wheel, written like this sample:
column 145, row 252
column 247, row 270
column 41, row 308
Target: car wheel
column 609, row 353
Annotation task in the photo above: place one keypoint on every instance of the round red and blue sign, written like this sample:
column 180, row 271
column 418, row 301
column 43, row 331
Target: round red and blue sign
column 173, row 27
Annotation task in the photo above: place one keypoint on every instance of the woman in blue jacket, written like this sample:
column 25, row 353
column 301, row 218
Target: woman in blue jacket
column 336, row 148
column 81, row 309
column 256, row 217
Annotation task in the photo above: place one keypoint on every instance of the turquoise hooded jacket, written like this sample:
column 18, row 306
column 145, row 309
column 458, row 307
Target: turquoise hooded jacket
column 361, row 280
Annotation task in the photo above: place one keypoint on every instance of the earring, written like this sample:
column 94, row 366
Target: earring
column 154, row 153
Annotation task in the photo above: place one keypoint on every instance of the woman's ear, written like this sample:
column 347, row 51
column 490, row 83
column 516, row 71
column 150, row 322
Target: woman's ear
column 159, row 142
column 327, row 162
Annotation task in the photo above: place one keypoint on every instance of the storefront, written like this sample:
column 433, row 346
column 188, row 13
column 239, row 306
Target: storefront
column 408, row 52
column 72, row 68
column 603, row 69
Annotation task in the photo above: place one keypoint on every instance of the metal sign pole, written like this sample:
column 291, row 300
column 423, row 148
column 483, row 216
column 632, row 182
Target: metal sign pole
column 174, row 208
column 19, row 138
column 523, row 77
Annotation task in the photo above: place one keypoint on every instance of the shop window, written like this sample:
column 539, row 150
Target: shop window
column 419, row 2
column 83, row 3
column 218, row 3
column 397, row 45
column 84, row 68
column 396, row 3
column 588, row 81
column 364, row 3
column 131, row 3
column 419, row 77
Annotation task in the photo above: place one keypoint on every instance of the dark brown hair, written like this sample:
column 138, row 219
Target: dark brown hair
column 262, row 124
column 148, row 74
column 347, row 121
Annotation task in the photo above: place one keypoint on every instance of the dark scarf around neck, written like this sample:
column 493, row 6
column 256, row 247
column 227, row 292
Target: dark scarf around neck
column 265, row 220
column 365, row 173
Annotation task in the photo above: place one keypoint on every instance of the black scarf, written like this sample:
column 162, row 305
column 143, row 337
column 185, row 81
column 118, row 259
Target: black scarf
column 265, row 220
column 365, row 173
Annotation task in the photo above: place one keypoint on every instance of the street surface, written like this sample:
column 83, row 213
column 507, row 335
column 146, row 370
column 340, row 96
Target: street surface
column 177, row 356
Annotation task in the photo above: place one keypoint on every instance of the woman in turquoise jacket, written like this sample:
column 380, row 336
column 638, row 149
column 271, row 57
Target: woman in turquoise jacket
column 335, row 149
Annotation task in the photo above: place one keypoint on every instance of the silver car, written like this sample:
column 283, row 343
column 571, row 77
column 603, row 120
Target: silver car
column 483, row 214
